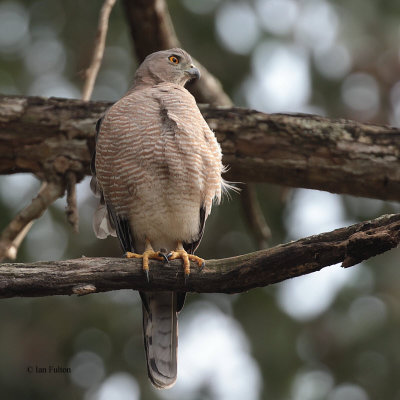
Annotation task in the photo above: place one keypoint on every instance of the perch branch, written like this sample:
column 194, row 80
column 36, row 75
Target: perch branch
column 349, row 245
column 152, row 30
column 40, row 135
column 14, row 233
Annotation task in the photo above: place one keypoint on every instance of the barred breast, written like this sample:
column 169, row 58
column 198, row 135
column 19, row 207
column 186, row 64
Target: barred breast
column 158, row 163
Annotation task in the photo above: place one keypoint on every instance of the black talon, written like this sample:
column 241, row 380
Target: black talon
column 186, row 277
column 169, row 255
column 164, row 256
column 203, row 264
column 146, row 271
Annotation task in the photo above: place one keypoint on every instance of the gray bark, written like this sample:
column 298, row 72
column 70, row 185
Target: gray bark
column 49, row 137
column 349, row 245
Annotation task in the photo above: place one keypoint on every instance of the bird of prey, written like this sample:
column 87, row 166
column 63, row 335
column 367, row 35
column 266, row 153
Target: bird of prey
column 157, row 169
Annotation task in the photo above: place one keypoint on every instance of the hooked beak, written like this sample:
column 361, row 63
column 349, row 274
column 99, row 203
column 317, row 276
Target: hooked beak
column 193, row 72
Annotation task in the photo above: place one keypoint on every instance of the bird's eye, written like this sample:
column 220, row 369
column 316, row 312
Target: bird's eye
column 173, row 59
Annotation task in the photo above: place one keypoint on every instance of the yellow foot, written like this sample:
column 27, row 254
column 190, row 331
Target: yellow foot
column 147, row 255
column 182, row 254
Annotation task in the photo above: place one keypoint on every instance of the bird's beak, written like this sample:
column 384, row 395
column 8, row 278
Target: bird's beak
column 193, row 72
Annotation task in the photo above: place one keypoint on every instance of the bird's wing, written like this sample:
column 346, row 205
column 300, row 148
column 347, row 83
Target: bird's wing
column 103, row 226
column 198, row 147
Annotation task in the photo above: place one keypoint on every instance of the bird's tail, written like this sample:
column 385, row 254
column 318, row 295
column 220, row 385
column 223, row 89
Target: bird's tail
column 160, row 331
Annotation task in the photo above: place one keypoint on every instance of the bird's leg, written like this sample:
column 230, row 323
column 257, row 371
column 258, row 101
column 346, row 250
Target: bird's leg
column 181, row 253
column 148, row 254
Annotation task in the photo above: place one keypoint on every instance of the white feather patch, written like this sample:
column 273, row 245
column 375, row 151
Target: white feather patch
column 101, row 223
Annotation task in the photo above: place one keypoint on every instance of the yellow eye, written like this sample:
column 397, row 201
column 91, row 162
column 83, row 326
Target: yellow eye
column 173, row 59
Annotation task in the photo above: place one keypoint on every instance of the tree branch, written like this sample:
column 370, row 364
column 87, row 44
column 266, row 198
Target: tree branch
column 98, row 51
column 14, row 233
column 152, row 30
column 349, row 245
column 254, row 216
column 51, row 136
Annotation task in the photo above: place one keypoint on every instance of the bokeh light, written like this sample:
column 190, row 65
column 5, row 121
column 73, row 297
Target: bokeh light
column 14, row 21
column 118, row 386
column 277, row 16
column 360, row 92
column 318, row 25
column 311, row 385
column 280, row 80
column 87, row 369
column 230, row 17
column 348, row 391
column 214, row 349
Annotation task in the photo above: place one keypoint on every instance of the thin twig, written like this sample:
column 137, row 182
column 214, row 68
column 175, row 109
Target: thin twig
column 349, row 245
column 12, row 251
column 98, row 52
column 14, row 233
column 91, row 75
column 254, row 216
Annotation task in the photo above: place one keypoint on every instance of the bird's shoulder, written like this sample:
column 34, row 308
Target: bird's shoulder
column 159, row 103
column 171, row 88
column 136, row 105
column 173, row 95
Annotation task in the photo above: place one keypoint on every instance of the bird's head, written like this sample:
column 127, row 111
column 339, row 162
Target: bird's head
column 174, row 66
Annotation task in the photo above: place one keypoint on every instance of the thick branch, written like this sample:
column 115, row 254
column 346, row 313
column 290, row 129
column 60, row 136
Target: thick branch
column 349, row 245
column 150, row 25
column 152, row 30
column 52, row 136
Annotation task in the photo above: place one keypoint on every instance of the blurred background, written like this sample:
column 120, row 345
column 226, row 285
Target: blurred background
column 331, row 335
